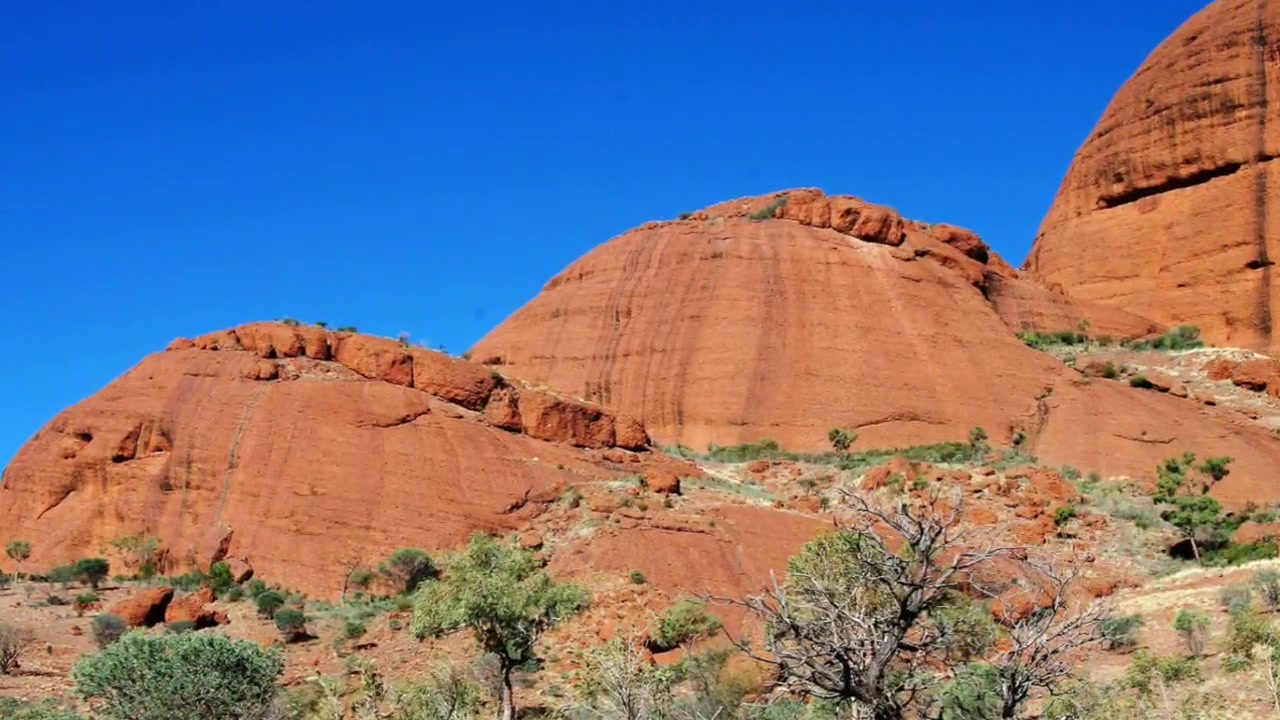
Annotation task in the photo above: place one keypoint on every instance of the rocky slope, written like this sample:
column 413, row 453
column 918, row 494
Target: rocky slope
column 1169, row 209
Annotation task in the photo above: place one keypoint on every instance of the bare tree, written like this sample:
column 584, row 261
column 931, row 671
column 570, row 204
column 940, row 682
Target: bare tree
column 1049, row 623
column 621, row 683
column 851, row 623
column 14, row 641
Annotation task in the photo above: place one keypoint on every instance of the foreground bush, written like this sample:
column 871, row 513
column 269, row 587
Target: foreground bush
column 188, row 675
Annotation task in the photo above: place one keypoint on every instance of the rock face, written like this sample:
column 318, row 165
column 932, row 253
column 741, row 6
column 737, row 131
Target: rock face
column 1171, row 208
column 296, row 450
column 720, row 329
column 723, row 329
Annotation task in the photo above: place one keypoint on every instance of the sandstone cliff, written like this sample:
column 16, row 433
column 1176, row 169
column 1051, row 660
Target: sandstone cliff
column 1169, row 209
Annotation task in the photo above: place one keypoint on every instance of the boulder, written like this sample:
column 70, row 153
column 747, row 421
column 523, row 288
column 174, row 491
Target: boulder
column 145, row 608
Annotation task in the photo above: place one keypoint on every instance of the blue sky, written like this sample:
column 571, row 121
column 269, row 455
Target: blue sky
column 167, row 169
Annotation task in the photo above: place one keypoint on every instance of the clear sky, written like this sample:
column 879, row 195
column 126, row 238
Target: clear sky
column 172, row 168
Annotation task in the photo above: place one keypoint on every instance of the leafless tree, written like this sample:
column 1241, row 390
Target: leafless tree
column 1050, row 620
column 851, row 623
column 14, row 641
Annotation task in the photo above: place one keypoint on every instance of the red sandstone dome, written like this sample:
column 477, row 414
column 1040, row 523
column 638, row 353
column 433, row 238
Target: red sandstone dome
column 1171, row 208
column 764, row 318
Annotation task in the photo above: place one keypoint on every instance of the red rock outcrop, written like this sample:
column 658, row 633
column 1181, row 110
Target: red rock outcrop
column 144, row 609
column 720, row 329
column 350, row 447
column 1170, row 207
column 194, row 609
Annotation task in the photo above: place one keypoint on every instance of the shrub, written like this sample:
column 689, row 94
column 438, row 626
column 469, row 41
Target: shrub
column 268, row 602
column 348, row 329
column 681, row 624
column 1268, row 584
column 769, row 211
column 1236, row 599
column 234, row 594
column 408, row 568
column 108, row 629
column 637, row 577
column 354, row 630
column 1193, row 628
column 841, row 440
column 220, row 579
column 14, row 641
column 1247, row 629
column 973, row 694
column 161, row 677
column 1185, row 337
column 92, row 571
column 685, row 215
column 83, row 602
column 1141, row 382
column 11, row 709
column 254, row 588
column 181, row 626
column 1110, row 371
column 62, row 574
column 1121, row 633
column 1241, row 553
column 291, row 623
column 1064, row 514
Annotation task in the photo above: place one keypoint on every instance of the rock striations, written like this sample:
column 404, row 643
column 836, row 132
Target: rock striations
column 301, row 450
column 1171, row 208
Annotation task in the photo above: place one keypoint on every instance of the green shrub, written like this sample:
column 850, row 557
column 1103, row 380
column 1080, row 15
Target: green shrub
column 290, row 322
column 92, row 571
column 1064, row 514
column 1193, row 628
column 348, row 329
column 407, row 568
column 841, row 440
column 12, row 709
column 685, row 215
column 291, row 623
column 268, row 602
column 637, row 577
column 188, row 582
column 1247, row 629
column 353, row 630
column 1141, row 382
column 770, row 210
column 83, row 602
column 254, row 588
column 181, row 626
column 1110, row 371
column 234, row 594
column 62, row 574
column 163, row 677
column 1236, row 599
column 108, row 629
column 1185, row 337
column 974, row 694
column 681, row 624
column 1121, row 633
column 220, row 579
